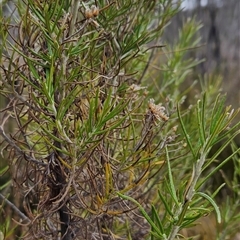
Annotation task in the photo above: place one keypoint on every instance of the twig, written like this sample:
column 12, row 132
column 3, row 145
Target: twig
column 21, row 214
column 18, row 149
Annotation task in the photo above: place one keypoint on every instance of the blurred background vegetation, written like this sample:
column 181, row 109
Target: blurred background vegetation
column 220, row 40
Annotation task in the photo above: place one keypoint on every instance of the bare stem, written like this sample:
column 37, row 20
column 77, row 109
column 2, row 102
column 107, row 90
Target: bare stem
column 21, row 214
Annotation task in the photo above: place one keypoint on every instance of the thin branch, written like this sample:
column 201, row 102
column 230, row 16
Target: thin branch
column 18, row 149
column 21, row 214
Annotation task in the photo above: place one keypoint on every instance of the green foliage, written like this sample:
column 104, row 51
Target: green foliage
column 90, row 150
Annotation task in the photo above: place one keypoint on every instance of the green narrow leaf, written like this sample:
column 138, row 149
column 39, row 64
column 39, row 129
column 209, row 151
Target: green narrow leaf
column 96, row 104
column 106, row 105
column 185, row 132
column 40, row 104
column 216, row 112
column 221, row 149
column 36, row 11
column 217, row 168
column 33, row 69
column 171, row 182
column 66, row 103
column 188, row 220
column 49, row 78
column 50, row 134
column 3, row 170
column 30, row 82
column 50, row 98
column 219, row 127
column 115, row 111
column 144, row 213
column 218, row 189
column 113, row 126
column 232, row 131
column 165, row 203
column 213, row 204
column 201, row 118
column 155, row 217
column 5, row 184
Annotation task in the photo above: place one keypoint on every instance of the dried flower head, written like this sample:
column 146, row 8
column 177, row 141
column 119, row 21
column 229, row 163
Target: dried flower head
column 158, row 111
column 91, row 13
column 88, row 13
column 175, row 128
column 95, row 10
column 136, row 88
